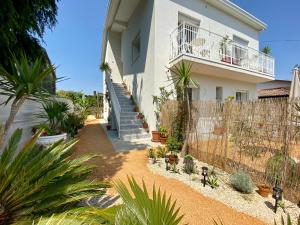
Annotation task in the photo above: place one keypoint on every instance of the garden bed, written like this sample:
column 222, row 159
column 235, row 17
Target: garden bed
column 252, row 204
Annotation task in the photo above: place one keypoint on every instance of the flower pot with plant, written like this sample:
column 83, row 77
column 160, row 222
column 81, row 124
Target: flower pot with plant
column 225, row 53
column 155, row 136
column 136, row 109
column 145, row 124
column 140, row 116
column 163, row 132
column 174, row 147
column 55, row 113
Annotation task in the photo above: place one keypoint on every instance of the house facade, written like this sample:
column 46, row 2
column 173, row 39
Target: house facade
column 144, row 40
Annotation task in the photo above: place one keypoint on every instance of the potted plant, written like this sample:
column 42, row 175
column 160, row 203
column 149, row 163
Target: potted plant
column 145, row 124
column 224, row 51
column 140, row 116
column 55, row 113
column 163, row 132
column 264, row 190
column 174, row 146
column 158, row 102
column 155, row 136
column 265, row 57
column 136, row 109
column 189, row 165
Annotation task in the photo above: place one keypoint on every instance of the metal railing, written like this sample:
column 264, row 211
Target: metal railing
column 194, row 41
column 114, row 100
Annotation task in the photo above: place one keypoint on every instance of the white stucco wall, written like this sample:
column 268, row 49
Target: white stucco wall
column 155, row 20
column 208, row 84
column 113, row 55
column 139, row 76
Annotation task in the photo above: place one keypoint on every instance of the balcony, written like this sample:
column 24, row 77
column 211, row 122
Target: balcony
column 209, row 48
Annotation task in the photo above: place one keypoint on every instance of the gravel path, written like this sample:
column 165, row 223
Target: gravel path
column 198, row 209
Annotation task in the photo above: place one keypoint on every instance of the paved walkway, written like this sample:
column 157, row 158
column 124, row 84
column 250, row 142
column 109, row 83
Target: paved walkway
column 117, row 165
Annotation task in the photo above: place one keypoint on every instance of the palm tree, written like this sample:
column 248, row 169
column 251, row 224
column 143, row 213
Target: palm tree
column 104, row 67
column 24, row 82
column 182, row 80
column 41, row 181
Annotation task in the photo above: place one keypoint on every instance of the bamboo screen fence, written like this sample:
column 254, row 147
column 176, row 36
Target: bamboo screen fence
column 261, row 137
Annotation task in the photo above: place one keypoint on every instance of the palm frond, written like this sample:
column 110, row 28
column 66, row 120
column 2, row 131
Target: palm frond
column 41, row 181
column 139, row 208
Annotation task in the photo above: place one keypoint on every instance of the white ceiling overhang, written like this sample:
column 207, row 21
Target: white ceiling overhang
column 118, row 14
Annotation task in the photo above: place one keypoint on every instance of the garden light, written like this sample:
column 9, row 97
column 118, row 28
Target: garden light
column 277, row 195
column 204, row 174
column 167, row 163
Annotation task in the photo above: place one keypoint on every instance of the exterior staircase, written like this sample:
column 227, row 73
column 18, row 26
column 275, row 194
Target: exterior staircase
column 130, row 127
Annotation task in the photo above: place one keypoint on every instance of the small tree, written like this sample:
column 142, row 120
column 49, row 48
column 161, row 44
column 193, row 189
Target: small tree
column 159, row 101
column 182, row 80
column 25, row 82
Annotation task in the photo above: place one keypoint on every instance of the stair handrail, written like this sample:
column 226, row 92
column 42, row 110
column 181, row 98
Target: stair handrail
column 114, row 100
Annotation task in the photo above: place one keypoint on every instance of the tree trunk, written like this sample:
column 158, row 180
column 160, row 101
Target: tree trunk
column 15, row 107
column 187, row 127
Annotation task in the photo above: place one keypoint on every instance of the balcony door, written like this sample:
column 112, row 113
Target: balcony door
column 239, row 51
column 188, row 29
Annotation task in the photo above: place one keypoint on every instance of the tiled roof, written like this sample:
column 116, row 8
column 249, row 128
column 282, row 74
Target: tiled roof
column 274, row 92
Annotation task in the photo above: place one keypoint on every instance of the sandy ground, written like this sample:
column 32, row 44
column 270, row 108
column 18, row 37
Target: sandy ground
column 112, row 165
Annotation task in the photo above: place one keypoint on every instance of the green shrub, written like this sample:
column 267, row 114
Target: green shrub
column 161, row 152
column 174, row 145
column 73, row 123
column 151, row 153
column 163, row 131
column 275, row 166
column 242, row 182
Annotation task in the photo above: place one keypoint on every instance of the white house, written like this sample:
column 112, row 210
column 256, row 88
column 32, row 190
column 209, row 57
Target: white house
column 144, row 39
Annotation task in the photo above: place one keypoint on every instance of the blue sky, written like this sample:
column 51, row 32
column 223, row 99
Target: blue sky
column 75, row 43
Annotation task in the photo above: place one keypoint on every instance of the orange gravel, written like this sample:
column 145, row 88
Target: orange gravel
column 112, row 165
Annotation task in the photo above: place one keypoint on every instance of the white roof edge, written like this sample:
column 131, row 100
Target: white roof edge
column 107, row 25
column 235, row 9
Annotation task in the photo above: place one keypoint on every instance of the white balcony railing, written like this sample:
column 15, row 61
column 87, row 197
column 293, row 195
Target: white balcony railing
column 194, row 41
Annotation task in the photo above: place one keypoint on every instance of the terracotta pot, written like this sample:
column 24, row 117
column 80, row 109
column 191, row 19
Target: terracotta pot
column 140, row 116
column 264, row 190
column 226, row 59
column 163, row 140
column 218, row 130
column 155, row 136
column 173, row 159
column 145, row 125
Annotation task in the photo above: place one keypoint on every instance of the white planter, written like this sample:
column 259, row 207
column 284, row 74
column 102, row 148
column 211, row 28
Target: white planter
column 49, row 140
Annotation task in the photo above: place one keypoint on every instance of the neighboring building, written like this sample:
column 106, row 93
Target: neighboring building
column 274, row 89
column 144, row 40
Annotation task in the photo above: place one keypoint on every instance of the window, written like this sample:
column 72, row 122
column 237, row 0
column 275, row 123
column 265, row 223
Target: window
column 241, row 96
column 219, row 94
column 136, row 47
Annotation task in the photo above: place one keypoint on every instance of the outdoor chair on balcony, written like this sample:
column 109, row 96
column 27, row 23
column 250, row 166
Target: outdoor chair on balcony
column 200, row 47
